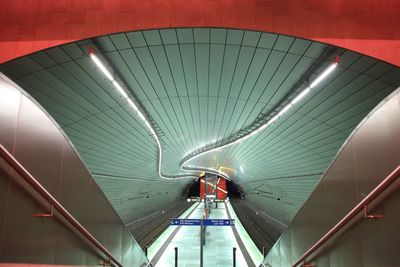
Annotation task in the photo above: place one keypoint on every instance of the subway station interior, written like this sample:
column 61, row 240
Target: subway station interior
column 207, row 133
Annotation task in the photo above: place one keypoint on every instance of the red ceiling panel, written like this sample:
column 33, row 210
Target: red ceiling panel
column 366, row 26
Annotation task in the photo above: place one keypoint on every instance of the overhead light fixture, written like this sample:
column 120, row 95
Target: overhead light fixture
column 300, row 96
column 323, row 75
column 130, row 102
column 286, row 108
column 295, row 100
column 101, row 66
column 120, row 89
column 226, row 168
column 271, row 120
column 140, row 114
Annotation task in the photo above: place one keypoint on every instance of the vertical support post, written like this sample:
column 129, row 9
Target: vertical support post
column 176, row 257
column 234, row 257
column 201, row 243
column 145, row 250
column 205, row 187
column 263, row 252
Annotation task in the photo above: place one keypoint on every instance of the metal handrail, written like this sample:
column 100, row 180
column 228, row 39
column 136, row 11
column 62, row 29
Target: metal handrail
column 13, row 162
column 353, row 213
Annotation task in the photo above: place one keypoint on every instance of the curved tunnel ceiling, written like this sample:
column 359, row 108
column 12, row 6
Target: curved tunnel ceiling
column 199, row 86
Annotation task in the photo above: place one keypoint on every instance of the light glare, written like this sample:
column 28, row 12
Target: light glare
column 301, row 95
column 284, row 110
column 130, row 102
column 270, row 121
column 323, row 75
column 101, row 66
column 120, row 89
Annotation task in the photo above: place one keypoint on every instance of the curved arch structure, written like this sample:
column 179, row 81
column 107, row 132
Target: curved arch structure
column 198, row 87
column 163, row 51
column 366, row 27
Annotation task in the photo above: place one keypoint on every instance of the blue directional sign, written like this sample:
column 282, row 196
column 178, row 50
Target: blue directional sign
column 206, row 222
column 219, row 222
column 185, row 222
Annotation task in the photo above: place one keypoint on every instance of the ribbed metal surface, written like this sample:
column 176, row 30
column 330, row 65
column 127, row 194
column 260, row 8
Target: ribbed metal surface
column 365, row 161
column 200, row 86
column 32, row 231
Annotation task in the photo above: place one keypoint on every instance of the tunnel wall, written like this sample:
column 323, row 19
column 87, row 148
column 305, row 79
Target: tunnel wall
column 35, row 140
column 370, row 154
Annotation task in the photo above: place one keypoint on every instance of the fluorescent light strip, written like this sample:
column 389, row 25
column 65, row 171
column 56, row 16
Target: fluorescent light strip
column 130, row 102
column 208, row 170
column 286, row 108
column 121, row 90
column 323, row 75
column 301, row 95
column 101, row 66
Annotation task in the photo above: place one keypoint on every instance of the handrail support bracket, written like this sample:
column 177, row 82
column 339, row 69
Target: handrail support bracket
column 45, row 215
column 371, row 216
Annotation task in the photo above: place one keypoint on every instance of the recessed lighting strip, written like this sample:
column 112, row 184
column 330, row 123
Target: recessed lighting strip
column 262, row 127
column 131, row 101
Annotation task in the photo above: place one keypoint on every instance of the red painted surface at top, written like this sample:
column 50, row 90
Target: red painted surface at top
column 221, row 184
column 366, row 26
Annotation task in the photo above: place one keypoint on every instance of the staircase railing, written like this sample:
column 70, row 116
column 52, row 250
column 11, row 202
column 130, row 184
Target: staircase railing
column 55, row 205
column 362, row 206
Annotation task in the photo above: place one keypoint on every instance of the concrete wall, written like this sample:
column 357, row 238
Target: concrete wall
column 39, row 145
column 368, row 156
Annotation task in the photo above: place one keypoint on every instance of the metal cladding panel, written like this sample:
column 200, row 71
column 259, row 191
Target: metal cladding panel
column 344, row 185
column 43, row 150
column 8, row 122
column 379, row 239
column 69, row 248
column 34, row 131
column 300, row 236
column 377, row 143
column 285, row 249
column 368, row 156
column 75, row 180
column 9, row 114
column 344, row 251
column 274, row 255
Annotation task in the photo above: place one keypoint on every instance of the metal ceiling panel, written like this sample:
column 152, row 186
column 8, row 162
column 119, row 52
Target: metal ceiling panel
column 199, row 86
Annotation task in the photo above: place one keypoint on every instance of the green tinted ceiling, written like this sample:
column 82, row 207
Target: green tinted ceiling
column 199, row 86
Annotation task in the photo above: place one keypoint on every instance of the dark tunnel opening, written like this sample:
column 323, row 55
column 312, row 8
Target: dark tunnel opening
column 235, row 192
